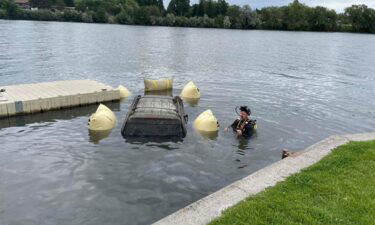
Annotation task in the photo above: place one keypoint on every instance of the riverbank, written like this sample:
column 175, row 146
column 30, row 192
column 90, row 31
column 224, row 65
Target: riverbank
column 336, row 190
column 206, row 14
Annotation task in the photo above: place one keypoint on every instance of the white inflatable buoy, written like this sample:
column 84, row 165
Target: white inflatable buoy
column 124, row 92
column 158, row 85
column 102, row 119
column 190, row 91
column 206, row 122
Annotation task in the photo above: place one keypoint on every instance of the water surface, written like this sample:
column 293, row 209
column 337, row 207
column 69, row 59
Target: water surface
column 301, row 86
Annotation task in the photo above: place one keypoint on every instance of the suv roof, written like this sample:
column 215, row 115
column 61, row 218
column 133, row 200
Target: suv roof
column 155, row 116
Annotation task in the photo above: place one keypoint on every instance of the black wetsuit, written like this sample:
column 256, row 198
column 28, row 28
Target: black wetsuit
column 247, row 127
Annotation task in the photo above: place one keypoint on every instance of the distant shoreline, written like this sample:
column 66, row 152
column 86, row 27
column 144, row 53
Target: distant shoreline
column 218, row 28
column 206, row 14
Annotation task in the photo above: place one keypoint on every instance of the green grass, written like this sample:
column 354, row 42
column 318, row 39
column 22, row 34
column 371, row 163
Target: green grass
column 340, row 189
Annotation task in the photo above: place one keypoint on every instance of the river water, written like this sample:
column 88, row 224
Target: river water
column 301, row 87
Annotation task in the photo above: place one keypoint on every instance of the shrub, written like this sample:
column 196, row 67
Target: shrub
column 170, row 19
column 87, row 17
column 100, row 16
column 182, row 21
column 42, row 14
column 3, row 14
column 72, row 16
column 124, row 18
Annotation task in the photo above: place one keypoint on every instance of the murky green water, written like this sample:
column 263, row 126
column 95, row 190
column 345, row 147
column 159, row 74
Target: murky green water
column 301, row 87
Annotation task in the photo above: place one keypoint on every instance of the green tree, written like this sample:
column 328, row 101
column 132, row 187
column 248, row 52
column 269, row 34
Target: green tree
column 179, row 7
column 248, row 17
column 296, row 16
column 322, row 19
column 271, row 18
column 145, row 13
column 42, row 4
column 172, row 7
column 234, row 14
column 59, row 4
column 124, row 18
column 92, row 5
column 361, row 17
column 130, row 6
column 80, row 5
column 210, row 8
column 12, row 11
column 100, row 16
column 160, row 4
column 201, row 8
column 222, row 7
column 112, row 7
column 69, row 3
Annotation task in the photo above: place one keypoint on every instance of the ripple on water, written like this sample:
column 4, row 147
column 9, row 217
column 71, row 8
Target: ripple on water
column 301, row 87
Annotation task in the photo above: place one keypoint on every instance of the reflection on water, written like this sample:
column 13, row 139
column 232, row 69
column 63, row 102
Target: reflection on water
column 211, row 135
column 144, row 140
column 166, row 144
column 242, row 144
column 54, row 115
column 163, row 92
column 192, row 101
column 299, row 86
column 97, row 136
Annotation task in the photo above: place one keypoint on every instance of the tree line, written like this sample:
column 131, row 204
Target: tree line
column 207, row 13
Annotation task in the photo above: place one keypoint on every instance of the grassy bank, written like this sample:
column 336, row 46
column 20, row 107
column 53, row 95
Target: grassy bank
column 340, row 189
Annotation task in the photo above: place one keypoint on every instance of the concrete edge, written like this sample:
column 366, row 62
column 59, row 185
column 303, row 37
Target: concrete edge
column 210, row 207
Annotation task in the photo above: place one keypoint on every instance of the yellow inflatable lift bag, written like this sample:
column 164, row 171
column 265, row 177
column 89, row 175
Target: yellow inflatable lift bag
column 102, row 119
column 124, row 92
column 190, row 91
column 158, row 85
column 206, row 122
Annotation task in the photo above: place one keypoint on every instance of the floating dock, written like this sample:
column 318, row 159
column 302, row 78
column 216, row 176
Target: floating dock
column 40, row 97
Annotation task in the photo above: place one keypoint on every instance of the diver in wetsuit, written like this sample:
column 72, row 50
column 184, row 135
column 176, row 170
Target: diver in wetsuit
column 243, row 126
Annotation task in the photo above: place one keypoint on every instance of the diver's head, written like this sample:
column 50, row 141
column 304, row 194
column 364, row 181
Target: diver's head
column 245, row 112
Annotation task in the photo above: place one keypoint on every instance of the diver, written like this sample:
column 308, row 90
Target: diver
column 243, row 126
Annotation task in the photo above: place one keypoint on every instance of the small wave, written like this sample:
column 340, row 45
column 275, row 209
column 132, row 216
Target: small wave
column 288, row 76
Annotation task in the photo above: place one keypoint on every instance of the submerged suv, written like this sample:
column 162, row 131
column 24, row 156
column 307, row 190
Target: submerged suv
column 155, row 116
